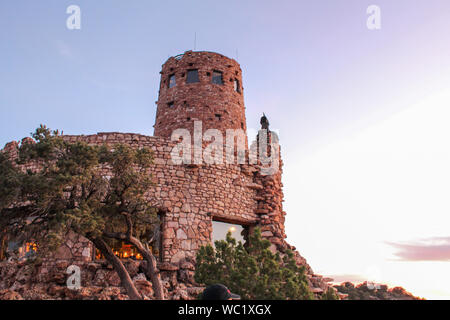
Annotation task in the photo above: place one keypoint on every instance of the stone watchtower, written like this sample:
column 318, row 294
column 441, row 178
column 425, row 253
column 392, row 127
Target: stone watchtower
column 200, row 86
column 194, row 200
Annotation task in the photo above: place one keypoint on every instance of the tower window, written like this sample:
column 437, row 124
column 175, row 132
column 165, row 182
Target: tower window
column 14, row 247
column 218, row 116
column 172, row 81
column 128, row 251
column 170, row 104
column 192, row 76
column 217, row 77
column 220, row 230
column 237, row 88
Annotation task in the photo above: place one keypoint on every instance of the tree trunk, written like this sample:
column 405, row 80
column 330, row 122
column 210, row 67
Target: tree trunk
column 152, row 271
column 124, row 276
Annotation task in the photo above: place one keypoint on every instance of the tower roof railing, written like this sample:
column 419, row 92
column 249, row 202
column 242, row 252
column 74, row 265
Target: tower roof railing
column 179, row 56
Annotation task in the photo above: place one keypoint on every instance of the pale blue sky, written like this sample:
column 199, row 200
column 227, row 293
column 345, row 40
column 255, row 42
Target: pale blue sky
column 334, row 90
column 312, row 66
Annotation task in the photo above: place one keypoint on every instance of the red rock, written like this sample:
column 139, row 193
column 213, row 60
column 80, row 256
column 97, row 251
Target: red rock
column 9, row 295
column 168, row 267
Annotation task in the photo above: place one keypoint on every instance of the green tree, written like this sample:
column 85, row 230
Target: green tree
column 253, row 271
column 330, row 294
column 95, row 191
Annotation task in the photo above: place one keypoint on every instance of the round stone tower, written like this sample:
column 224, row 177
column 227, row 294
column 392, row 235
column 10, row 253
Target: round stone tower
column 200, row 86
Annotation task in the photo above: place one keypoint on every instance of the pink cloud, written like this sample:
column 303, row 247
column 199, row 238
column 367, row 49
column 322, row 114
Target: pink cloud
column 431, row 249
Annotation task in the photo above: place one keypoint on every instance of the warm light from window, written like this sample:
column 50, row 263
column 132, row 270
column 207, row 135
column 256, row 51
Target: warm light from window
column 30, row 247
column 123, row 251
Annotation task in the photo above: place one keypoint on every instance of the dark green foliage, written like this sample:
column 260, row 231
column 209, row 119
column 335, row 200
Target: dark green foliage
column 253, row 271
column 330, row 294
column 9, row 182
column 73, row 191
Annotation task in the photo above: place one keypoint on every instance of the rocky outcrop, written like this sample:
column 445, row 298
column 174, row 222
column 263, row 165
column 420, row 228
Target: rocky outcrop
column 48, row 281
column 190, row 198
column 368, row 291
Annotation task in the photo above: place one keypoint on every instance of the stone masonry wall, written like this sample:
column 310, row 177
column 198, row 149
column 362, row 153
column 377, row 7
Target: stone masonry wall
column 191, row 197
column 217, row 106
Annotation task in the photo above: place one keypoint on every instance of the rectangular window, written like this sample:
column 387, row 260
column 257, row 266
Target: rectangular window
column 172, row 81
column 16, row 249
column 217, row 77
column 220, row 230
column 236, row 86
column 121, row 250
column 127, row 251
column 170, row 104
column 192, row 76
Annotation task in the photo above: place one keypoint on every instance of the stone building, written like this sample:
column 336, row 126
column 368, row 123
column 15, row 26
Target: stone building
column 196, row 200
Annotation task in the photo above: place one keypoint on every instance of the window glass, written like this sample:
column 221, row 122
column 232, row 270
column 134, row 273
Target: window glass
column 192, row 76
column 17, row 249
column 236, row 86
column 121, row 250
column 220, row 230
column 172, row 81
column 125, row 250
column 217, row 77
column 30, row 249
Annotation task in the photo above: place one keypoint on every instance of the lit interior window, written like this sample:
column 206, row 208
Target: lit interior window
column 128, row 251
column 30, row 247
column 220, row 230
column 122, row 250
column 17, row 249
